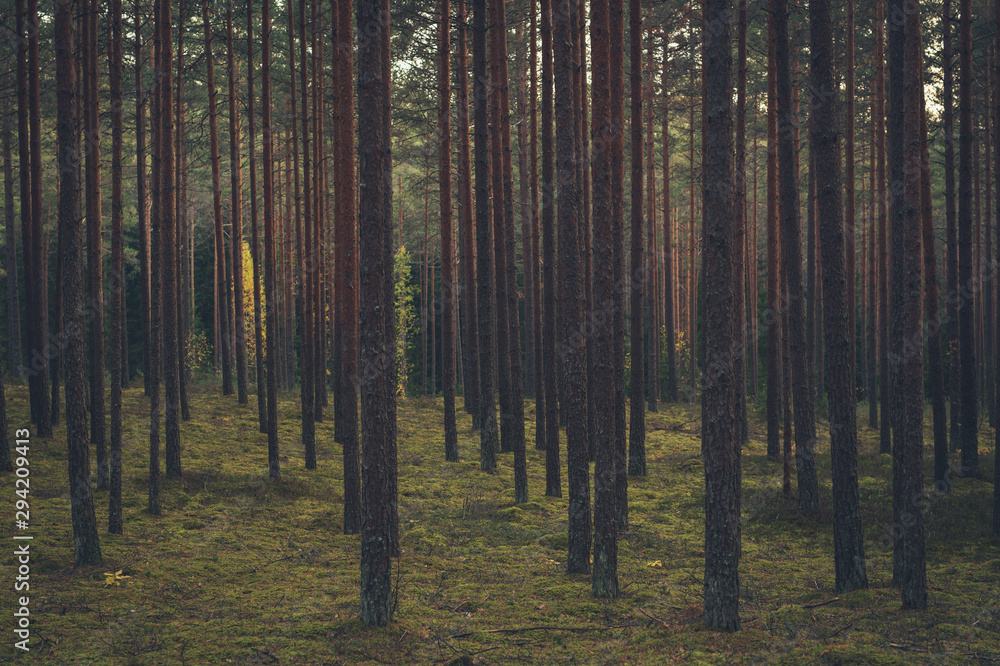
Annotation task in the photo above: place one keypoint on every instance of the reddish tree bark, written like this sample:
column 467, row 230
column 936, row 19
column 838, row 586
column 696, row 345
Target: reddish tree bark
column 236, row 214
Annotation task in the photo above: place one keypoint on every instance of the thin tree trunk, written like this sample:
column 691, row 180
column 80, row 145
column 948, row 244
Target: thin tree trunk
column 117, row 274
column 155, row 289
column 270, row 264
column 574, row 366
column 617, row 141
column 258, row 335
column 638, row 278
column 604, row 582
column 306, row 259
column 180, row 203
column 236, row 214
column 650, row 294
column 885, row 387
column 168, row 240
column 805, row 424
column 470, row 387
column 553, row 483
column 951, row 251
column 13, row 292
column 775, row 300
column 968, row 440
column 489, row 435
column 524, row 194
column 668, row 246
column 740, row 205
column 24, row 194
column 222, row 309
column 535, row 265
column 448, row 290
column 848, row 536
column 86, row 543
column 39, row 276
column 346, row 267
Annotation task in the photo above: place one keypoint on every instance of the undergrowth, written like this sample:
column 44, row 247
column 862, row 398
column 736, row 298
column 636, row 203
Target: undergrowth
column 240, row 570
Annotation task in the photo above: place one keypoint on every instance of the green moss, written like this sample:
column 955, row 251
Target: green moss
column 237, row 568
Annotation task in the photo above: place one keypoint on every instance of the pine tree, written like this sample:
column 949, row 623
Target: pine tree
column 236, row 213
column 378, row 372
column 346, row 267
column 719, row 403
column 86, row 544
column 968, row 437
column 447, row 248
column 605, row 577
column 849, row 554
column 117, row 274
column 804, row 413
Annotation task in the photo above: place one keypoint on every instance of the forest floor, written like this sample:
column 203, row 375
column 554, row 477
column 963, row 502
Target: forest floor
column 239, row 570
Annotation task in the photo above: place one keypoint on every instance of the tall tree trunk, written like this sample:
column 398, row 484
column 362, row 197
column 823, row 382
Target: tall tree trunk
column 222, row 310
column 873, row 299
column 117, row 271
column 573, row 354
column 180, row 213
column 346, row 267
column 24, row 195
column 448, row 290
column 934, row 357
column 525, row 194
column 996, row 157
column 470, row 385
column 805, row 416
column 14, row 358
column 740, row 206
column 848, row 537
column 638, row 278
column 968, row 438
column 155, row 288
column 617, row 124
column 270, row 263
column 168, row 240
column 650, row 296
column 908, row 470
column 515, row 415
column 719, row 405
column 39, row 332
column 951, row 250
column 553, row 482
column 258, row 336
column 236, row 214
column 535, row 265
column 86, row 544
column 775, row 300
column 668, row 245
column 485, row 275
column 306, row 261
column 604, row 582
column 849, row 196
column 885, row 385
column 378, row 404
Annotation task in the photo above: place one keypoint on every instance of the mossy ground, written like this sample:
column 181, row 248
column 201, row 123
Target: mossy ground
column 239, row 570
